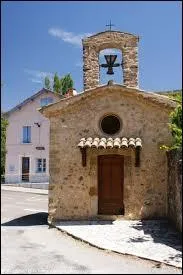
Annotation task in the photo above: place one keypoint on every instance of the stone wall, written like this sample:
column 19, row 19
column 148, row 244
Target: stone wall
column 175, row 187
column 125, row 42
column 73, row 189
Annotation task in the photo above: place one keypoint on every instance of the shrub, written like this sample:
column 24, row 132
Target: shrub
column 175, row 124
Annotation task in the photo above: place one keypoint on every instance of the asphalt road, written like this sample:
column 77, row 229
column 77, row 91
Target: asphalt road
column 28, row 246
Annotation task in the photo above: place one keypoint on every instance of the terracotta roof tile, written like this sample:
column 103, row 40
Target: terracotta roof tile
column 110, row 142
column 95, row 142
column 102, row 143
column 124, row 142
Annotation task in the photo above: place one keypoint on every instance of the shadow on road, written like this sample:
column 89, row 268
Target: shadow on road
column 28, row 220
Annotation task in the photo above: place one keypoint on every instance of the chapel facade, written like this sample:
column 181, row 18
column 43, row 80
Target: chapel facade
column 105, row 157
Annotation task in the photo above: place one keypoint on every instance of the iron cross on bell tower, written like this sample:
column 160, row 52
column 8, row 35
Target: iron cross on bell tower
column 110, row 25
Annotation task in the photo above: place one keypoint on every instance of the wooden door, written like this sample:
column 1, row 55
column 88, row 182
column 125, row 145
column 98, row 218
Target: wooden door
column 110, row 184
column 25, row 169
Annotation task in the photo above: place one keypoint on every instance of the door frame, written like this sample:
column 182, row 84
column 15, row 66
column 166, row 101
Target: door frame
column 20, row 165
column 98, row 178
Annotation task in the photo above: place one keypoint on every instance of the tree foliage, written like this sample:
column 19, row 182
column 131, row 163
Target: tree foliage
column 175, row 124
column 56, row 84
column 60, row 85
column 66, row 83
column 47, row 83
column 4, row 124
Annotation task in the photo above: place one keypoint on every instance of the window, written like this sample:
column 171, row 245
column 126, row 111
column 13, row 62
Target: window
column 110, row 124
column 46, row 101
column 26, row 134
column 41, row 166
column 11, row 167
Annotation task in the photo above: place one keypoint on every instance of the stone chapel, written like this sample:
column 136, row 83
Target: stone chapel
column 105, row 157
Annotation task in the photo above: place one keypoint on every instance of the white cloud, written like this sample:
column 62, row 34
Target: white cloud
column 79, row 64
column 68, row 37
column 38, row 76
column 35, row 80
column 110, row 51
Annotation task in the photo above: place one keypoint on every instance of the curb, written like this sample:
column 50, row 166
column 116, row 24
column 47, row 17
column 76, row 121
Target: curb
column 156, row 262
column 43, row 186
column 26, row 190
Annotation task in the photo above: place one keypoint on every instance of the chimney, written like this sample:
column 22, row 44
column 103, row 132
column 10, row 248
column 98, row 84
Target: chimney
column 71, row 92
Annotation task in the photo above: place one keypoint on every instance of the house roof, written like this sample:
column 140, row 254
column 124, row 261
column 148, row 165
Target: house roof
column 148, row 97
column 29, row 99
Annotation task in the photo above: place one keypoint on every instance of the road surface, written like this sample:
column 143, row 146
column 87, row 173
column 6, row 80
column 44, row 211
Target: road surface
column 28, row 246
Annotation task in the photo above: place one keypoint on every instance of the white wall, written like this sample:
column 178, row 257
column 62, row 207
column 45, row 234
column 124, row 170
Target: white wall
column 27, row 116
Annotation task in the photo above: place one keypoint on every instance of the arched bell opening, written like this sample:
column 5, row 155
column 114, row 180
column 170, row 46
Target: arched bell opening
column 125, row 42
column 110, row 68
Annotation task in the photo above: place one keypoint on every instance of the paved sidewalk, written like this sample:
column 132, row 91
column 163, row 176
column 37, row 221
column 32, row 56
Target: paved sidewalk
column 35, row 185
column 24, row 189
column 152, row 239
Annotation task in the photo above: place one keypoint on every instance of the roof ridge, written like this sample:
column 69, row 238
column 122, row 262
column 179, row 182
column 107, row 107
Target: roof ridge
column 88, row 37
column 153, row 98
column 25, row 101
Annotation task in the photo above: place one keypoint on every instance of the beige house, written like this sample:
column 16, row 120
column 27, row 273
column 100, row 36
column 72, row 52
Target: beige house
column 27, row 141
column 105, row 156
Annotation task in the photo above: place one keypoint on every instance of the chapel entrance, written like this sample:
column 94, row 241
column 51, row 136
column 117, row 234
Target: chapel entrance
column 110, row 184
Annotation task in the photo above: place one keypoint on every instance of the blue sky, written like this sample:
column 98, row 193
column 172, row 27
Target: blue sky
column 40, row 38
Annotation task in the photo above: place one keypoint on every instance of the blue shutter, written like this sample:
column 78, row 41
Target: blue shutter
column 26, row 134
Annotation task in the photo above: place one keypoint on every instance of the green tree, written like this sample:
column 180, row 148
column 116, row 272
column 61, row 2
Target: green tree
column 60, row 85
column 4, row 124
column 175, row 124
column 66, row 83
column 47, row 83
column 56, row 84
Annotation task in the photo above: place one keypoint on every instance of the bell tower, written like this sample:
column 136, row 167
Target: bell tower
column 126, row 42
